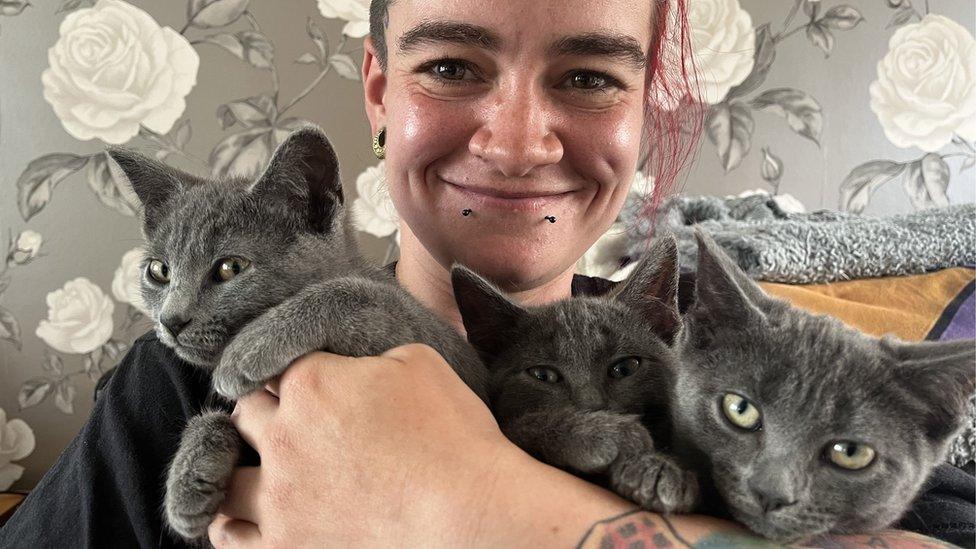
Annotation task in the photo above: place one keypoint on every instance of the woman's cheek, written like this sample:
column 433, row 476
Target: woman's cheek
column 426, row 129
column 604, row 146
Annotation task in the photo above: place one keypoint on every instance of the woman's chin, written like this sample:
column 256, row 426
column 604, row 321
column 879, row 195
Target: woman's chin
column 515, row 267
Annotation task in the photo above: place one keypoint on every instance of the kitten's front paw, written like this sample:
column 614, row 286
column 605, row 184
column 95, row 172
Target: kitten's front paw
column 656, row 483
column 249, row 361
column 598, row 446
column 199, row 474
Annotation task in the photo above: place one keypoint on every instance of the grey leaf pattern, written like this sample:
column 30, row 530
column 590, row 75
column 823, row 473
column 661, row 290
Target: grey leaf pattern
column 208, row 14
column 64, row 396
column 33, row 391
column 730, row 127
column 37, row 182
column 802, row 112
column 927, row 181
column 108, row 189
column 243, row 153
column 9, row 328
column 864, row 180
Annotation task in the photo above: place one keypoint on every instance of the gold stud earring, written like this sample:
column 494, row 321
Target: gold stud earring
column 379, row 144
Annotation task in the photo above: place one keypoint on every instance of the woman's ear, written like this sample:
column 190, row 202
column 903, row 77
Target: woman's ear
column 374, row 87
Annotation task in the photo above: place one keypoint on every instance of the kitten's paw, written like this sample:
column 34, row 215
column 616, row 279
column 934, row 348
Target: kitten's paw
column 199, row 474
column 249, row 361
column 597, row 449
column 656, row 483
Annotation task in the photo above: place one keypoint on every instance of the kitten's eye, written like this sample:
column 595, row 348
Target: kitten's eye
column 229, row 268
column 546, row 375
column 742, row 413
column 850, row 455
column 624, row 367
column 158, row 271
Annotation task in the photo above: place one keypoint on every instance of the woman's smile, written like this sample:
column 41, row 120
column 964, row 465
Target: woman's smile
column 527, row 198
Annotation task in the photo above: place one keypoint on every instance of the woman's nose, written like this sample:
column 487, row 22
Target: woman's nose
column 516, row 137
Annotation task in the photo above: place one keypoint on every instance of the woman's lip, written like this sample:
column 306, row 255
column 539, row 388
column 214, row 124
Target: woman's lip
column 527, row 201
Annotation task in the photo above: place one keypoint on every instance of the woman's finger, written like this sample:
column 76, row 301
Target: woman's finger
column 252, row 414
column 225, row 531
column 243, row 494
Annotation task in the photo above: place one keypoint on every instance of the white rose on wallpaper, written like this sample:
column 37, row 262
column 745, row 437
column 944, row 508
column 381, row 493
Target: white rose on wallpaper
column 603, row 257
column 373, row 210
column 114, row 68
column 27, row 247
column 926, row 86
column 126, row 284
column 79, row 318
column 16, row 443
column 355, row 12
column 723, row 41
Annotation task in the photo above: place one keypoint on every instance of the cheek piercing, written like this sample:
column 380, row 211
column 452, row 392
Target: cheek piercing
column 466, row 212
column 551, row 218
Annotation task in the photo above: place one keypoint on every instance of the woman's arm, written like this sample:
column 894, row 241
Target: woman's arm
column 395, row 450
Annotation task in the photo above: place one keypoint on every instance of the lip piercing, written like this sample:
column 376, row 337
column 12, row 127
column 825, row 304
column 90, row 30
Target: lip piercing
column 551, row 218
column 466, row 212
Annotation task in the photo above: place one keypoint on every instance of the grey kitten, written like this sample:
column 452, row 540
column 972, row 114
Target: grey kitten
column 574, row 382
column 803, row 425
column 244, row 277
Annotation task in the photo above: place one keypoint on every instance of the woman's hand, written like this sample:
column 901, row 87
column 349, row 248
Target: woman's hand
column 388, row 450
column 356, row 450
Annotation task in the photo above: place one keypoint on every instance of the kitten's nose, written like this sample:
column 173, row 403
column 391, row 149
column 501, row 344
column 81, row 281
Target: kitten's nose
column 175, row 324
column 770, row 498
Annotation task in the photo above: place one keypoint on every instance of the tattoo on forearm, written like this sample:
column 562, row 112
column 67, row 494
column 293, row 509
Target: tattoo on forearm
column 639, row 529
column 635, row 529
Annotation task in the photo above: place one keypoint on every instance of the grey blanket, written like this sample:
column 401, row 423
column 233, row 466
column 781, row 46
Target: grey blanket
column 822, row 246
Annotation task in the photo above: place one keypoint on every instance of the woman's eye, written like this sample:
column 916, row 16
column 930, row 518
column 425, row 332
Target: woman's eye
column 158, row 271
column 546, row 375
column 625, row 367
column 741, row 413
column 450, row 70
column 588, row 80
column 850, row 455
column 229, row 268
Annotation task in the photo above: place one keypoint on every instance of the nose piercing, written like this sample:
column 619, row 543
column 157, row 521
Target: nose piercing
column 551, row 218
column 466, row 212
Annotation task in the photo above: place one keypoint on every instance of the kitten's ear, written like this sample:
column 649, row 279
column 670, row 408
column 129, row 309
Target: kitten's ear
column 304, row 172
column 489, row 317
column 153, row 182
column 940, row 373
column 722, row 290
column 652, row 288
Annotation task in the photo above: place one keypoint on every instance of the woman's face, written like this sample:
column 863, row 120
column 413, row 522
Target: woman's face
column 516, row 110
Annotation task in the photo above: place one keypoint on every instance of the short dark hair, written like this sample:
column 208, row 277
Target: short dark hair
column 379, row 20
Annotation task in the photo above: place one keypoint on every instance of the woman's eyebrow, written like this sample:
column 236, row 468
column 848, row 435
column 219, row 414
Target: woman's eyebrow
column 432, row 32
column 618, row 46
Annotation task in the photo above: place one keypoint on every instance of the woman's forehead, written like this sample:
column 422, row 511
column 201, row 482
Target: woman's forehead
column 506, row 24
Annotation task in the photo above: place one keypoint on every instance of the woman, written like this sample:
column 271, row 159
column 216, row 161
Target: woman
column 512, row 133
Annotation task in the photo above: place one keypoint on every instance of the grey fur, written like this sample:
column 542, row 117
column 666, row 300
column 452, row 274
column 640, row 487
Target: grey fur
column 823, row 246
column 587, row 422
column 814, row 381
column 306, row 288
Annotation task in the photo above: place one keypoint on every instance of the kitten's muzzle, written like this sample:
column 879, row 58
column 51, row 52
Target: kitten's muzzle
column 175, row 324
column 773, row 487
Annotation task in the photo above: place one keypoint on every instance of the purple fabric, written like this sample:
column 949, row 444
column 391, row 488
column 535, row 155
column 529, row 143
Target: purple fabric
column 963, row 323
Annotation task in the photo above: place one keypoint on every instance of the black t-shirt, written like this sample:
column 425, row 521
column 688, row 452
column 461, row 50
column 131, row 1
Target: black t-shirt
column 106, row 489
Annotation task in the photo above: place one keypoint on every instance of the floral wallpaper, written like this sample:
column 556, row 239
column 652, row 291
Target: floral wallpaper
column 865, row 105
